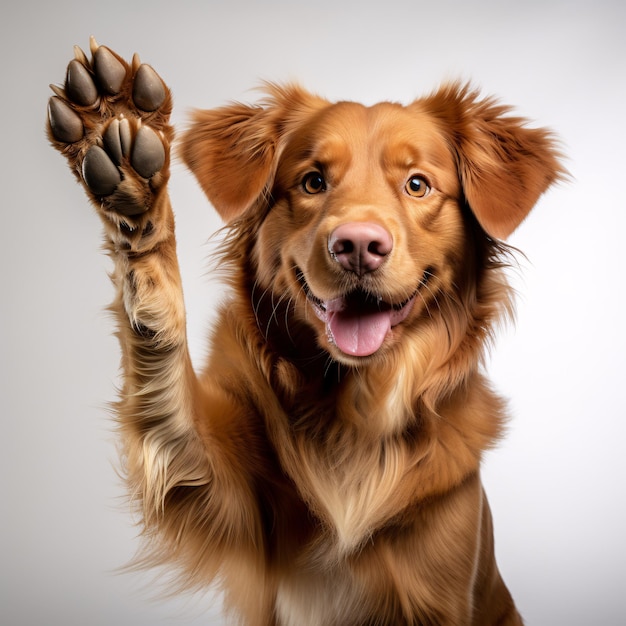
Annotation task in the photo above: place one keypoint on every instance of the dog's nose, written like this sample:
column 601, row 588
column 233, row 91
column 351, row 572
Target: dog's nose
column 360, row 247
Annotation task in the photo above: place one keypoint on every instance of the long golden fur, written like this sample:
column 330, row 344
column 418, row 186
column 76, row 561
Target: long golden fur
column 324, row 467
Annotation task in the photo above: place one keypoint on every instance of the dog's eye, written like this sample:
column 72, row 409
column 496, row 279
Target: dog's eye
column 313, row 182
column 417, row 187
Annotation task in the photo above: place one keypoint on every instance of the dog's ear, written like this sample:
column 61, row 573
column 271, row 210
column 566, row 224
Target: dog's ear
column 230, row 150
column 233, row 150
column 504, row 166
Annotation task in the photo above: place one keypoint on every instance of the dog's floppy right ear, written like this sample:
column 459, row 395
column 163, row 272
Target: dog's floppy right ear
column 233, row 150
column 230, row 150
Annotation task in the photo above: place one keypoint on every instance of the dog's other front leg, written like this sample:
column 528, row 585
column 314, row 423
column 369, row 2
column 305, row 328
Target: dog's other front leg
column 110, row 120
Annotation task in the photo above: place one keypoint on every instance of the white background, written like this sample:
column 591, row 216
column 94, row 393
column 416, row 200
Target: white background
column 557, row 484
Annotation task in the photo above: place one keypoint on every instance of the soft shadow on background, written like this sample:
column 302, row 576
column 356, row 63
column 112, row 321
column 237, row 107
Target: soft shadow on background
column 557, row 484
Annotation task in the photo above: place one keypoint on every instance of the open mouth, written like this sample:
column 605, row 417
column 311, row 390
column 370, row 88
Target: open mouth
column 358, row 322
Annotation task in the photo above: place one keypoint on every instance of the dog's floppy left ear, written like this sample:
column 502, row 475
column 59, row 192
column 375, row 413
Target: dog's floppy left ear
column 233, row 150
column 504, row 166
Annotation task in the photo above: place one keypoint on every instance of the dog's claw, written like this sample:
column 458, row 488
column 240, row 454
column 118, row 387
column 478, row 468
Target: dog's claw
column 148, row 155
column 79, row 85
column 110, row 71
column 148, row 90
column 80, row 56
column 66, row 125
column 99, row 172
column 59, row 91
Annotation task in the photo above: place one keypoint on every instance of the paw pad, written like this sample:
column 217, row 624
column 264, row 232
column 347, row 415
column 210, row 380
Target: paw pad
column 148, row 154
column 118, row 140
column 148, row 91
column 99, row 172
column 110, row 71
column 66, row 126
column 110, row 121
column 79, row 85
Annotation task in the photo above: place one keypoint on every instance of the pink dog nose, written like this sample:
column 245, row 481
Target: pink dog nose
column 360, row 247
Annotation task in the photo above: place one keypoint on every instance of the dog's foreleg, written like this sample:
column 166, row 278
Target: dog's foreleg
column 110, row 120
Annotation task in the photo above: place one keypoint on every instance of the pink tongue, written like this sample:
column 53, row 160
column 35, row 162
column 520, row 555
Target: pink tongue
column 359, row 333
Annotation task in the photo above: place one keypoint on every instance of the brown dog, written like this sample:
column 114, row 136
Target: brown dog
column 324, row 467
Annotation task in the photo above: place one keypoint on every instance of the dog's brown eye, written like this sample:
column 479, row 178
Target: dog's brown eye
column 313, row 182
column 417, row 187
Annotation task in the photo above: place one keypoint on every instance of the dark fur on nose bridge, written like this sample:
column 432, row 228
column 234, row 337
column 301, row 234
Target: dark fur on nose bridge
column 360, row 247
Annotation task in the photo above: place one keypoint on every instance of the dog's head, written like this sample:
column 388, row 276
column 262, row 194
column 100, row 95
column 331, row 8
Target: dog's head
column 370, row 222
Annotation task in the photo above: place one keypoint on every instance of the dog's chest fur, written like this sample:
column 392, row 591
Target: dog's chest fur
column 350, row 461
column 298, row 600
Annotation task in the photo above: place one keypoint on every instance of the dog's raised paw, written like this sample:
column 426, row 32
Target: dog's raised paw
column 110, row 120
